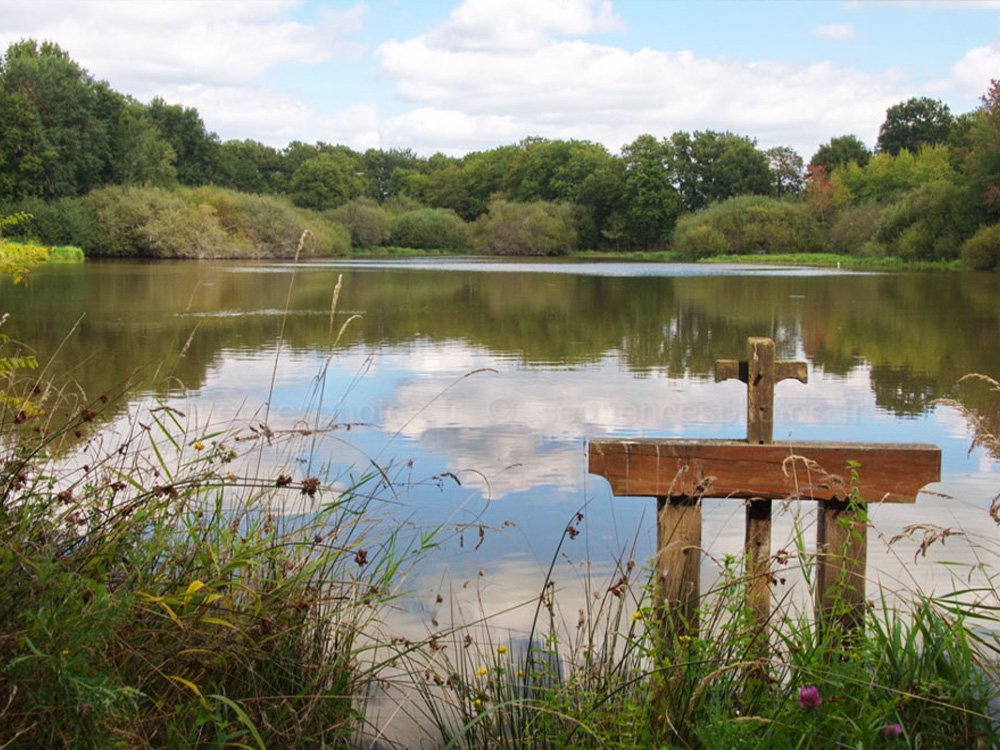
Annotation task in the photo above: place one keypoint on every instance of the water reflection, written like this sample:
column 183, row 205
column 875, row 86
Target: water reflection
column 497, row 373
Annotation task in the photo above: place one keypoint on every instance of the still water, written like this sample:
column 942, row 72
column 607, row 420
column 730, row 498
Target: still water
column 475, row 385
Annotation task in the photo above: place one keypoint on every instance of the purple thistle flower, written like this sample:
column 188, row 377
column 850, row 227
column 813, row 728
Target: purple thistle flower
column 892, row 731
column 809, row 697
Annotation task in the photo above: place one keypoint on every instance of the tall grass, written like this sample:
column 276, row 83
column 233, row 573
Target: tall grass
column 175, row 584
column 914, row 675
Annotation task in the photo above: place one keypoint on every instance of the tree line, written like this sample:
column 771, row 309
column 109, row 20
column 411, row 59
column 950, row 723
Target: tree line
column 72, row 149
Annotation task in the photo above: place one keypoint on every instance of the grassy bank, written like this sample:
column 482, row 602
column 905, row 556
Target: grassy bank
column 833, row 260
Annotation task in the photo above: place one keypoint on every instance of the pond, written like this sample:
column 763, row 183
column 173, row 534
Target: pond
column 476, row 384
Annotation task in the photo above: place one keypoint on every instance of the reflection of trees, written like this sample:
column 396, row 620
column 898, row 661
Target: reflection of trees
column 924, row 331
column 905, row 392
column 979, row 401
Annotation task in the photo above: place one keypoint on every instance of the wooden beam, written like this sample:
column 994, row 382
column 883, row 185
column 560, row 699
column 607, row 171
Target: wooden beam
column 678, row 468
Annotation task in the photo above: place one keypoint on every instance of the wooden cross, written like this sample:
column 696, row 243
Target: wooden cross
column 842, row 477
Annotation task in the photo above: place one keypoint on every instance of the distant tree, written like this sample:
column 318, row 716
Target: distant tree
column 650, row 201
column 839, row 152
column 787, row 170
column 62, row 137
column 381, row 167
column 197, row 149
column 326, row 181
column 250, row 167
column 709, row 166
column 143, row 156
column 982, row 154
column 919, row 121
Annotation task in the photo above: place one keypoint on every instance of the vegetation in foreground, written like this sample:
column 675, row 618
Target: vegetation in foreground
column 157, row 596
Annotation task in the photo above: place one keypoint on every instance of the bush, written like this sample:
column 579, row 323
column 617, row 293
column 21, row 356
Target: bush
column 981, row 252
column 62, row 222
column 205, row 222
column 429, row 228
column 539, row 228
column 150, row 222
column 929, row 223
column 367, row 222
column 854, row 232
column 748, row 225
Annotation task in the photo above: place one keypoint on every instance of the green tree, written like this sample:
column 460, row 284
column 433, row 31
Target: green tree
column 709, row 166
column 326, row 181
column 650, row 201
column 787, row 170
column 196, row 149
column 981, row 149
column 60, row 135
column 919, row 121
column 144, row 157
column 250, row 167
column 23, row 154
column 841, row 151
column 384, row 170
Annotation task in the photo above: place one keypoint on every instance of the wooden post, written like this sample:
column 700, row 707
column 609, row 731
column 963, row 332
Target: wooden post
column 841, row 562
column 760, row 372
column 678, row 565
column 679, row 473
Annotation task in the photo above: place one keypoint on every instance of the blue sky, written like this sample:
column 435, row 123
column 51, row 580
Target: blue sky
column 463, row 75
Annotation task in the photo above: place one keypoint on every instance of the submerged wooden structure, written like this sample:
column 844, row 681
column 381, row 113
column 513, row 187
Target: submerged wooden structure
column 841, row 477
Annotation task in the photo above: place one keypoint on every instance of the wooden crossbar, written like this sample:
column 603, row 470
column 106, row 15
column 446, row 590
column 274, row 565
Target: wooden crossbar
column 842, row 477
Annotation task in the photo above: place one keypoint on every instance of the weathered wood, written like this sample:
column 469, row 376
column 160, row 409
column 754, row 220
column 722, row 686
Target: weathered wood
column 841, row 562
column 678, row 565
column 887, row 472
column 760, row 372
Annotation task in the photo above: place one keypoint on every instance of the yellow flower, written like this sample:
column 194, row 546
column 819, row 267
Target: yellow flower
column 636, row 616
column 199, row 446
column 482, row 671
column 520, row 673
column 684, row 638
column 501, row 649
column 477, row 703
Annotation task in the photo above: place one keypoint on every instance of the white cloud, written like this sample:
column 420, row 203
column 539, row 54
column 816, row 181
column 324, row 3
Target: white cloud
column 212, row 56
column 836, row 32
column 583, row 90
column 971, row 75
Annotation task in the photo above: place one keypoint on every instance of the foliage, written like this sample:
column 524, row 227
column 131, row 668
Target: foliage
column 787, row 169
column 367, row 222
column 917, row 122
column 202, row 223
column 929, row 223
column 708, row 166
column 748, row 224
column 538, row 228
column 887, row 177
column 909, row 677
column 651, row 203
column 840, row 152
column 854, row 231
column 325, row 181
column 981, row 252
column 427, row 228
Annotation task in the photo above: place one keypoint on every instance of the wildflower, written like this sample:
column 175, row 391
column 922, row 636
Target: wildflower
column 477, row 702
column 482, row 671
column 892, row 731
column 199, row 446
column 636, row 615
column 501, row 649
column 809, row 697
column 684, row 638
column 520, row 673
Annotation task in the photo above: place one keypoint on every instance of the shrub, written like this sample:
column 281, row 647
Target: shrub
column 748, row 224
column 367, row 222
column 929, row 223
column 427, row 228
column 854, row 231
column 539, row 228
column 981, row 252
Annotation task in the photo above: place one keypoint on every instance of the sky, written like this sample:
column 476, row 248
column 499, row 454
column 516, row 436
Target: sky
column 468, row 75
